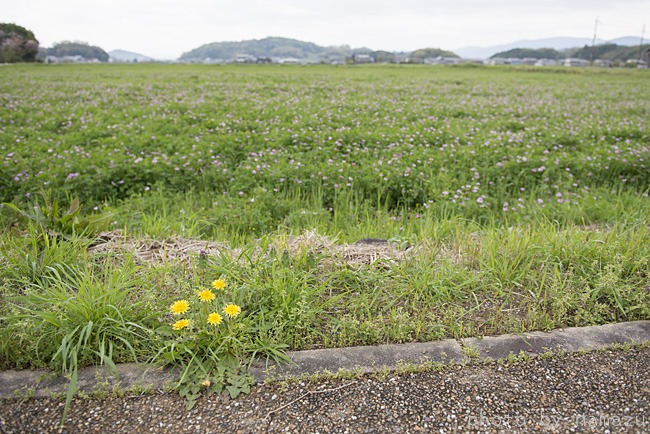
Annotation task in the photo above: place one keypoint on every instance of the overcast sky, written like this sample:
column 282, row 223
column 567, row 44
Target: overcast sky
column 165, row 29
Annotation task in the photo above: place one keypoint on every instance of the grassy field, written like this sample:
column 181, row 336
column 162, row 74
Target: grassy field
column 513, row 199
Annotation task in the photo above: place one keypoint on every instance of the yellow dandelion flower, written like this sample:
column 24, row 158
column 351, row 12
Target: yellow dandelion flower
column 206, row 295
column 232, row 310
column 219, row 284
column 179, row 307
column 206, row 383
column 181, row 324
column 214, row 318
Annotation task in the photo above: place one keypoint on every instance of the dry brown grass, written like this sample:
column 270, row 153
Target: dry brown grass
column 174, row 250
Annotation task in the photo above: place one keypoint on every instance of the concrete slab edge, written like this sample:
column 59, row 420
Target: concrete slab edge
column 41, row 383
column 570, row 340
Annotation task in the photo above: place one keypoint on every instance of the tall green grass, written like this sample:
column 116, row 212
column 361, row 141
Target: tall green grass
column 201, row 214
column 518, row 199
column 80, row 315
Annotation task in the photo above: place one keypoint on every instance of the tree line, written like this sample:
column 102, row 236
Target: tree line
column 611, row 52
column 17, row 44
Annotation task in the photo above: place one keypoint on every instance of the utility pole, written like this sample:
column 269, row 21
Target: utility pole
column 641, row 47
column 593, row 43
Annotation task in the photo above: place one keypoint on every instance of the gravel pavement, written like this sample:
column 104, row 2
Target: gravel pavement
column 601, row 391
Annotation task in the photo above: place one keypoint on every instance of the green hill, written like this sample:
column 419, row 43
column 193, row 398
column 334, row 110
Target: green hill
column 533, row 53
column 276, row 47
column 63, row 49
column 418, row 56
column 268, row 47
column 610, row 52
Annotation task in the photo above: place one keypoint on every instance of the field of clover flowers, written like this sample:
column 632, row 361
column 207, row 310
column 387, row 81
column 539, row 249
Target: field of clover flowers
column 271, row 146
column 521, row 192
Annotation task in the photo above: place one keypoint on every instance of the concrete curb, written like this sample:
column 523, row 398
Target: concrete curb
column 41, row 383
column 363, row 359
column 570, row 340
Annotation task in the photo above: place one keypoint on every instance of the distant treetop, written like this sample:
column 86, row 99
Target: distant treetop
column 66, row 48
column 272, row 46
column 17, row 44
column 531, row 53
column 418, row 56
column 608, row 51
column 276, row 47
column 611, row 52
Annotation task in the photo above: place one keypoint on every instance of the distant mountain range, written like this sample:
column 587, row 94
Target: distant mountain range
column 128, row 56
column 278, row 48
column 559, row 43
column 286, row 48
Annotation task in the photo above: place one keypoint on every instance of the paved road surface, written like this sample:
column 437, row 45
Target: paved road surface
column 603, row 391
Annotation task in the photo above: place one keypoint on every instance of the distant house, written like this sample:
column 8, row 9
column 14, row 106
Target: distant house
column 363, row 58
column 546, row 62
column 289, row 61
column 70, row 59
column 496, row 61
column 511, row 61
column 601, row 63
column 245, row 58
column 575, row 62
column 638, row 62
column 440, row 60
